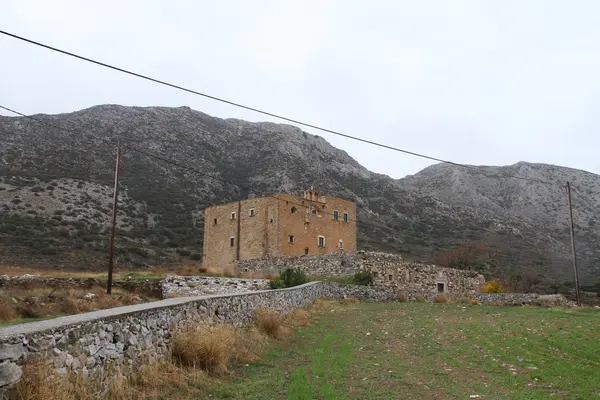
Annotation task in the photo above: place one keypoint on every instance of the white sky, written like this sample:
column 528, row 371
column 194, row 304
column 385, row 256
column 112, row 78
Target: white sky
column 479, row 82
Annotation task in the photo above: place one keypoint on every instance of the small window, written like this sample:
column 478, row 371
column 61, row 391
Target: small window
column 231, row 241
column 293, row 211
column 391, row 277
column 305, row 250
column 314, row 211
column 321, row 241
column 341, row 244
column 215, row 221
column 323, row 206
column 292, row 239
column 232, row 215
column 345, row 217
column 441, row 287
column 252, row 213
column 336, row 215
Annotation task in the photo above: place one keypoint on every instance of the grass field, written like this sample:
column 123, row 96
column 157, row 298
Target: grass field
column 426, row 351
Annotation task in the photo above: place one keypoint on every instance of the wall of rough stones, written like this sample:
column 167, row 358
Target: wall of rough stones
column 414, row 279
column 332, row 264
column 142, row 286
column 524, row 299
column 87, row 343
column 179, row 286
column 389, row 270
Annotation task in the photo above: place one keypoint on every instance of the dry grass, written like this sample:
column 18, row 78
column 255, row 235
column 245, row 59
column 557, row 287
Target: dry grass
column 214, row 348
column 468, row 300
column 300, row 317
column 420, row 299
column 402, row 297
column 269, row 322
column 440, row 298
column 351, row 300
column 44, row 302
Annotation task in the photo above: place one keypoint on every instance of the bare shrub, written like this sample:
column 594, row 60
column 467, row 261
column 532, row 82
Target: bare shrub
column 421, row 299
column 208, row 347
column 440, row 298
column 402, row 297
column 351, row 300
column 300, row 318
column 268, row 322
column 7, row 309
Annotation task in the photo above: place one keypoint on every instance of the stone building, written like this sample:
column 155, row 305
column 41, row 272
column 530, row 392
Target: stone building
column 281, row 225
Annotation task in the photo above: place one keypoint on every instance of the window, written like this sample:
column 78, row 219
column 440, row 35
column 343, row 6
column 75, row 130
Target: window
column 391, row 277
column 345, row 217
column 252, row 213
column 231, row 241
column 341, row 244
column 336, row 215
column 321, row 241
column 232, row 215
column 215, row 221
column 292, row 239
column 306, row 250
column 293, row 211
column 314, row 211
column 441, row 287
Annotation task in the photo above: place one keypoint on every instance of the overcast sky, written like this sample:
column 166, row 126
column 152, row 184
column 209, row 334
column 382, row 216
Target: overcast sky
column 478, row 82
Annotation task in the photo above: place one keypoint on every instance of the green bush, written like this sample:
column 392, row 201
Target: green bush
column 363, row 278
column 289, row 278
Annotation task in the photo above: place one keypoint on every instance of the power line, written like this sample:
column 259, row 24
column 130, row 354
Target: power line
column 257, row 110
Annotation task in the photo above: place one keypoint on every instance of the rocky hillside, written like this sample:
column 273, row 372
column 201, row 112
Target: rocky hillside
column 56, row 183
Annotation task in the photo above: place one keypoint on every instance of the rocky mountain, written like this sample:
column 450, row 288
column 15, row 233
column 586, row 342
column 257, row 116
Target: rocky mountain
column 57, row 174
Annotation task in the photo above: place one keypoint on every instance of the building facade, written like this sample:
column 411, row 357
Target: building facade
column 281, row 225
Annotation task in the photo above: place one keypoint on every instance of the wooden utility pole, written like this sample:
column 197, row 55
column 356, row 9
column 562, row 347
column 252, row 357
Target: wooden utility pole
column 573, row 246
column 111, row 245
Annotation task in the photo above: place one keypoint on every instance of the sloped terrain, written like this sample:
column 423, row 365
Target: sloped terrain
column 57, row 173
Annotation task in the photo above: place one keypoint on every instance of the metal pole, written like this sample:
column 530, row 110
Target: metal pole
column 573, row 246
column 111, row 246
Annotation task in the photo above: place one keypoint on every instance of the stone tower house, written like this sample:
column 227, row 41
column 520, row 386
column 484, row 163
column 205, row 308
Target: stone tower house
column 277, row 226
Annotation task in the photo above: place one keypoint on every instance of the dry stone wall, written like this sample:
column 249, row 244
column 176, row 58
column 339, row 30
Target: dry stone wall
column 179, row 286
column 143, row 286
column 525, row 299
column 390, row 271
column 87, row 343
column 333, row 264
column 414, row 279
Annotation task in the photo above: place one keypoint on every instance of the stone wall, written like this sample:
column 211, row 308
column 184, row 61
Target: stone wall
column 333, row 264
column 180, row 286
column 149, row 287
column 414, row 279
column 389, row 271
column 87, row 343
column 524, row 299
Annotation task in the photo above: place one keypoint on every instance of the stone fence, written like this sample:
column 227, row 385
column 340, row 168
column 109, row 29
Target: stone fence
column 179, row 286
column 524, row 299
column 332, row 264
column 390, row 271
column 87, row 343
column 141, row 286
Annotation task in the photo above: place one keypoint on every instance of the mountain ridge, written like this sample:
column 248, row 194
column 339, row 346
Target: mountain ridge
column 437, row 210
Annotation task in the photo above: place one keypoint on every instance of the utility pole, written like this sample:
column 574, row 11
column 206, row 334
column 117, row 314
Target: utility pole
column 573, row 246
column 111, row 245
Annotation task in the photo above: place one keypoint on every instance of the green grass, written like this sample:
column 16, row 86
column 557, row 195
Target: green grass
column 427, row 351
